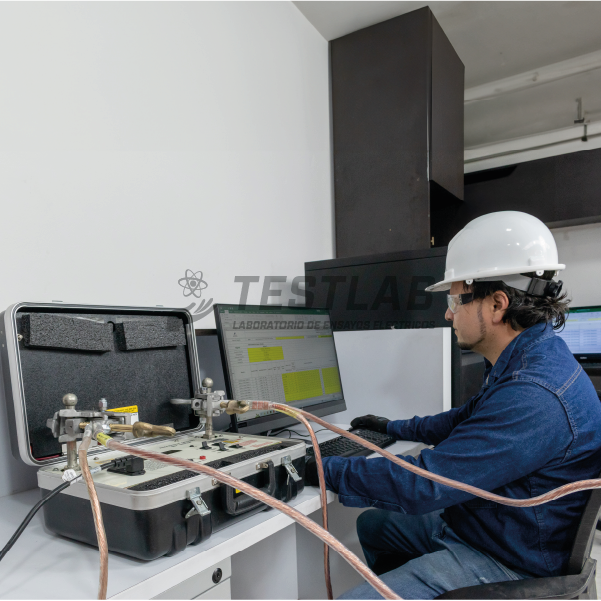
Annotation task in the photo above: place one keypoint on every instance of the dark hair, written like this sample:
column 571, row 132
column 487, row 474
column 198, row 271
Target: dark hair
column 526, row 310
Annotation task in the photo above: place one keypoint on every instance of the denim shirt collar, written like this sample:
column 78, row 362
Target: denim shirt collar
column 527, row 338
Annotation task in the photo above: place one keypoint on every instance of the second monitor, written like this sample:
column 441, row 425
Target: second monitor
column 280, row 354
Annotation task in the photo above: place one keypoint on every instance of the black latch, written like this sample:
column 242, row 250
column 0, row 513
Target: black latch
column 128, row 465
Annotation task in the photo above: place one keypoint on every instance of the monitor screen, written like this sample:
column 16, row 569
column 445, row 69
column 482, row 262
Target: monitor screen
column 280, row 354
column 582, row 332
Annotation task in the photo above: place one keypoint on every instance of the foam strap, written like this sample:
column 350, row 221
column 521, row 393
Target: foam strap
column 138, row 333
column 533, row 286
column 539, row 287
column 59, row 331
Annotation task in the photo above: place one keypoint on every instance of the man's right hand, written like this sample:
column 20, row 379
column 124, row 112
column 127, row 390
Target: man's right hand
column 371, row 422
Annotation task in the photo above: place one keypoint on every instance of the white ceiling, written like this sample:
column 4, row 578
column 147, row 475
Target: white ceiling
column 496, row 40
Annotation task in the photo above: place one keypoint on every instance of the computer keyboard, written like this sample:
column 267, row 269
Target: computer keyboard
column 591, row 366
column 343, row 447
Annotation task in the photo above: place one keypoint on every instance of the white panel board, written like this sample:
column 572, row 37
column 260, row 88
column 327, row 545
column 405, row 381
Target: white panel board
column 342, row 524
column 394, row 373
column 579, row 247
column 267, row 570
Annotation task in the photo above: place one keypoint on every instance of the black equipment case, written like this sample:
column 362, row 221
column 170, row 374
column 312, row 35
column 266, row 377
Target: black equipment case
column 138, row 359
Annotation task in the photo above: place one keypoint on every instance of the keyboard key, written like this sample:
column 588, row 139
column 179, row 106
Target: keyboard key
column 343, row 447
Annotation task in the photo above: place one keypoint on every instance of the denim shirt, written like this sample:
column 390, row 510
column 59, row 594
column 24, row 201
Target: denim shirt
column 534, row 425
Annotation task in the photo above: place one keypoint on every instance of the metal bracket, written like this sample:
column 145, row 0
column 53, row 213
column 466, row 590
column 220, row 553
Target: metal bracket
column 200, row 507
column 216, row 482
column 287, row 463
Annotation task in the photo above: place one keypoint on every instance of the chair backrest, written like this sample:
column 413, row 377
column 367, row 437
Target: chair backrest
column 585, row 535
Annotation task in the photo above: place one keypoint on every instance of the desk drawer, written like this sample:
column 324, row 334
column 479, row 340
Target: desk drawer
column 222, row 591
column 208, row 582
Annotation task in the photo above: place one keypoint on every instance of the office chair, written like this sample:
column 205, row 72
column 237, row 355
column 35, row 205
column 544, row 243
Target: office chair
column 577, row 583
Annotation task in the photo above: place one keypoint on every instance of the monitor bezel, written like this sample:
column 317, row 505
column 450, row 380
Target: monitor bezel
column 275, row 421
column 585, row 357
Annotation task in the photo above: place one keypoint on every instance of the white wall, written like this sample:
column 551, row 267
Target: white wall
column 579, row 248
column 141, row 139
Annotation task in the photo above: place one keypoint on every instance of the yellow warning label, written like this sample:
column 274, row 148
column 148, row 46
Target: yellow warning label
column 102, row 438
column 237, row 491
column 130, row 409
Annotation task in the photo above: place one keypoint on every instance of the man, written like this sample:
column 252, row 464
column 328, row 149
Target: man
column 534, row 425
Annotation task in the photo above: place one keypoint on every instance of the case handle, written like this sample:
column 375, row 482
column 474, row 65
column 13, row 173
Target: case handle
column 244, row 503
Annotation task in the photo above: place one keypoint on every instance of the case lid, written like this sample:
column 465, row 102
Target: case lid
column 127, row 355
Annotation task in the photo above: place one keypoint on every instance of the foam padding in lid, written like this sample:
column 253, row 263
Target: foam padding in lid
column 147, row 378
column 46, row 330
column 139, row 333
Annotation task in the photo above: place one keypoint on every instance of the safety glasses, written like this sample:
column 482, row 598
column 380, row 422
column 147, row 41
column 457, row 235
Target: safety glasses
column 456, row 300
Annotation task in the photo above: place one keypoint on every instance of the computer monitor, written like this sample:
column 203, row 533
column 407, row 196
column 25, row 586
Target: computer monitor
column 281, row 354
column 582, row 333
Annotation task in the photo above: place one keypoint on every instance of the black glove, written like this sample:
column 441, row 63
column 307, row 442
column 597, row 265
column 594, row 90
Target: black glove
column 311, row 476
column 371, row 422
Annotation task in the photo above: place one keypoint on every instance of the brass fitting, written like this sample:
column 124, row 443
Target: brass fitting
column 139, row 429
column 232, row 407
column 143, row 430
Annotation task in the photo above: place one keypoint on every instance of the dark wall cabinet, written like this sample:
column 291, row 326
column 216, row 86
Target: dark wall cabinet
column 397, row 105
column 562, row 190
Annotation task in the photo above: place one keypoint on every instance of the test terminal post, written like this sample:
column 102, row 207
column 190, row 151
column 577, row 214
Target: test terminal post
column 207, row 404
column 68, row 425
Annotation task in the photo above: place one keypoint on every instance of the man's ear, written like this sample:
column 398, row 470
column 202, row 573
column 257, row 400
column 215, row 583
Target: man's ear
column 500, row 303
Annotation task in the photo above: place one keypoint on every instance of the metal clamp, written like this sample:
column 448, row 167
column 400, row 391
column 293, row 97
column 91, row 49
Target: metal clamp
column 200, row 507
column 287, row 463
column 205, row 405
column 70, row 475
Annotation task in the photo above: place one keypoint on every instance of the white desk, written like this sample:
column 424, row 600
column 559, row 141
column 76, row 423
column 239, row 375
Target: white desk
column 42, row 565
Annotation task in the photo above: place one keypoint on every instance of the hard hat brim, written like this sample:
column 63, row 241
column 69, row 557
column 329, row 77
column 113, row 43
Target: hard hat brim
column 490, row 273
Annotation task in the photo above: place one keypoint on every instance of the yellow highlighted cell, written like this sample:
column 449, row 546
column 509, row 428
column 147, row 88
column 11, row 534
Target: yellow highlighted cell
column 265, row 353
column 325, row 335
column 300, row 385
column 289, row 337
column 331, row 380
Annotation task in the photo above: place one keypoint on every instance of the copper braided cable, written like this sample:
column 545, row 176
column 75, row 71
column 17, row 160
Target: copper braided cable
column 322, row 533
column 552, row 495
column 97, row 513
column 324, row 500
column 259, row 495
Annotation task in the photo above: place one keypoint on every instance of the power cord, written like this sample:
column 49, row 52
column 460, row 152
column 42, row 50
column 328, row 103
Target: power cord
column 70, row 478
column 13, row 539
column 294, row 432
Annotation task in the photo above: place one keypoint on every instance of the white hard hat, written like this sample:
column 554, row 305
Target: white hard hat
column 499, row 245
